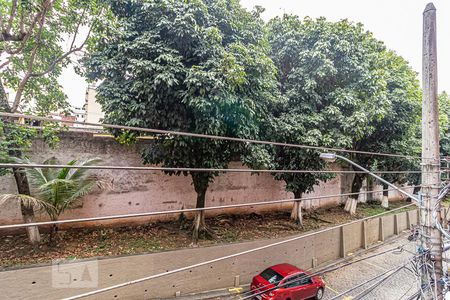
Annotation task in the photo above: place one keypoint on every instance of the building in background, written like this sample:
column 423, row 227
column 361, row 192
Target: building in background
column 94, row 113
column 80, row 115
column 68, row 119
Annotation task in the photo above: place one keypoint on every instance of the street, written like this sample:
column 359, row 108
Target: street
column 401, row 285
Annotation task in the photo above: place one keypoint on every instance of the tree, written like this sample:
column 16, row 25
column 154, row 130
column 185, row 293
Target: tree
column 194, row 66
column 56, row 189
column 444, row 123
column 399, row 130
column 343, row 87
column 289, row 122
column 32, row 55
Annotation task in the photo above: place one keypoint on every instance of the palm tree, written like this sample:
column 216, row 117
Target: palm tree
column 57, row 189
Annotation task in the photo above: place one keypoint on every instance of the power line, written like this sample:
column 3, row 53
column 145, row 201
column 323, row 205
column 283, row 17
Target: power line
column 173, row 169
column 393, row 271
column 169, row 272
column 378, row 283
column 365, row 282
column 214, row 137
column 330, row 268
column 187, row 210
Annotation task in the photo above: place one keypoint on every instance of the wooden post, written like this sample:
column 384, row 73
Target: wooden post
column 396, row 229
column 430, row 146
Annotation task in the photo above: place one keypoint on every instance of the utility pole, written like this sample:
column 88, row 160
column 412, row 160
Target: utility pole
column 432, row 238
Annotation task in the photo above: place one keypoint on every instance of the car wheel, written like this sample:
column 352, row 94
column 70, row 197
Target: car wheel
column 319, row 294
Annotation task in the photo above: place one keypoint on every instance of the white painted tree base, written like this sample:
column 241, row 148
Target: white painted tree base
column 385, row 202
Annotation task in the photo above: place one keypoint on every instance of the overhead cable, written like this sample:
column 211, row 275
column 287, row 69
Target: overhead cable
column 170, row 169
column 169, row 272
column 333, row 267
column 366, row 281
column 187, row 210
column 208, row 136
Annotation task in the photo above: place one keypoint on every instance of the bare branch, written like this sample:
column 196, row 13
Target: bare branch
column 11, row 16
column 77, row 29
column 27, row 76
column 21, row 26
column 24, row 35
column 4, row 64
column 64, row 56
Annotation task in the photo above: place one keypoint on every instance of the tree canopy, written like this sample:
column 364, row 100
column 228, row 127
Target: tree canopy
column 343, row 88
column 194, row 66
column 33, row 52
column 444, row 123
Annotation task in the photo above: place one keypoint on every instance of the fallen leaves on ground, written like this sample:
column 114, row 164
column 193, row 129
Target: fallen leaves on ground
column 154, row 237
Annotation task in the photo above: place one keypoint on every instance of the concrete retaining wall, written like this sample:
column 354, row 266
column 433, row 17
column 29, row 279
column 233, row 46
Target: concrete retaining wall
column 308, row 252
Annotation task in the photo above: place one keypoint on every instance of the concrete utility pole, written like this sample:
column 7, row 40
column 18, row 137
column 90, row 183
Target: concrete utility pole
column 430, row 146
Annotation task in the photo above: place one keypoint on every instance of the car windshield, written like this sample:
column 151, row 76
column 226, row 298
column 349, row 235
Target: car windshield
column 271, row 276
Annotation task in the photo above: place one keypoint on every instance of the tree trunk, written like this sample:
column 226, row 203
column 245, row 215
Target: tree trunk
column 296, row 214
column 201, row 183
column 53, row 233
column 370, row 196
column 385, row 199
column 27, row 211
column 199, row 220
column 352, row 201
column 21, row 179
column 415, row 192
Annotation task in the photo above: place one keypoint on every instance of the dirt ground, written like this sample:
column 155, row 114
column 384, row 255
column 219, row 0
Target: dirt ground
column 15, row 251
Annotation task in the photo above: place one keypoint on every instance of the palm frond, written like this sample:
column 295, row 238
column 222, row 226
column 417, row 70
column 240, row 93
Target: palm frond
column 36, row 175
column 63, row 174
column 83, row 190
column 58, row 189
column 75, row 174
column 50, row 173
column 26, row 200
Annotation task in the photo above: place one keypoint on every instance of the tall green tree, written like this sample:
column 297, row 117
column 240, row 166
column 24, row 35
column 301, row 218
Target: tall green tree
column 290, row 123
column 399, row 129
column 343, row 89
column 194, row 66
column 444, row 123
column 32, row 54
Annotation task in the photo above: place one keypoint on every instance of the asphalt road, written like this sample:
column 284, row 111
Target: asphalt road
column 400, row 285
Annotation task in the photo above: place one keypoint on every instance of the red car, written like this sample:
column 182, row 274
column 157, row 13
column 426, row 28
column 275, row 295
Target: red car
column 294, row 284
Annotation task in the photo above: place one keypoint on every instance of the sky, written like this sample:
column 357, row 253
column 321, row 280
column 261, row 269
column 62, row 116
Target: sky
column 396, row 22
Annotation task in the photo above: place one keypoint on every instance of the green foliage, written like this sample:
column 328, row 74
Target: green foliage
column 58, row 189
column 342, row 89
column 34, row 56
column 14, row 138
column 194, row 66
column 444, row 123
column 34, row 48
